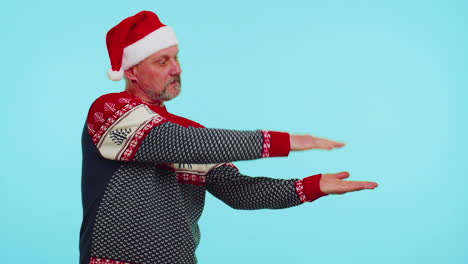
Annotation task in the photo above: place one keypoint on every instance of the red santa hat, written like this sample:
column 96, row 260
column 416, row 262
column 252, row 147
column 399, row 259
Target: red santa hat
column 134, row 39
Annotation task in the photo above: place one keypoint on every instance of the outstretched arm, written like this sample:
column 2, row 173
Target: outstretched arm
column 123, row 128
column 244, row 192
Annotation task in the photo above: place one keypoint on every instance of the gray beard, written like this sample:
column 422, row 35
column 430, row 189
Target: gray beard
column 165, row 95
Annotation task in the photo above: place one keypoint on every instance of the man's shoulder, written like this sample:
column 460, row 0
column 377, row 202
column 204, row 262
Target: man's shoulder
column 116, row 98
column 112, row 102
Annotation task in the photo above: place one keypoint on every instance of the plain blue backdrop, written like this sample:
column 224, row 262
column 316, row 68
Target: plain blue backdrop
column 389, row 78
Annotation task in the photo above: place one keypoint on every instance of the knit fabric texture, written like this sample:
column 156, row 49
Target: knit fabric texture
column 145, row 175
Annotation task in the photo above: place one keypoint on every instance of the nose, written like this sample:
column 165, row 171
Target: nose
column 175, row 69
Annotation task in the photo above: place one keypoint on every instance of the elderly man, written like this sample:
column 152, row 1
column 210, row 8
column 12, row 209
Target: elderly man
column 146, row 171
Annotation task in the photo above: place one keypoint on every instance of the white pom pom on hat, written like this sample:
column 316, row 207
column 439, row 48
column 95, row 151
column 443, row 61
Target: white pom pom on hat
column 134, row 39
column 115, row 75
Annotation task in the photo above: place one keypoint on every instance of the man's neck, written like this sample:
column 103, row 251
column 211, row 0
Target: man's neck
column 143, row 96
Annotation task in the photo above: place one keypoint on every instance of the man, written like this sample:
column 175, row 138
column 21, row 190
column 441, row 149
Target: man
column 146, row 171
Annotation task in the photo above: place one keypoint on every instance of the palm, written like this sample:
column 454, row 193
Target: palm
column 335, row 184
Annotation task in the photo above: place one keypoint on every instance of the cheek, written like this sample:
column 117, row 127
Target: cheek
column 150, row 76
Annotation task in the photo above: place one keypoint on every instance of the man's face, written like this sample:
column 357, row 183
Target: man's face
column 158, row 76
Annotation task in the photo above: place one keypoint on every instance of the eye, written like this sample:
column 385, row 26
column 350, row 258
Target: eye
column 162, row 62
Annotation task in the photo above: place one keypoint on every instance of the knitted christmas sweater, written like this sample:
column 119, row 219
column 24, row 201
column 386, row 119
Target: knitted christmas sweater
column 145, row 174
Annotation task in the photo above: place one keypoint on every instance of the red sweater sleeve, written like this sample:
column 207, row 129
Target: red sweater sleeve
column 275, row 144
column 308, row 189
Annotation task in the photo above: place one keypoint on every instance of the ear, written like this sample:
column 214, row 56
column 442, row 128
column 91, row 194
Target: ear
column 131, row 73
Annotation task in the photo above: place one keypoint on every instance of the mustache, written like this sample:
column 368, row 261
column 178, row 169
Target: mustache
column 174, row 79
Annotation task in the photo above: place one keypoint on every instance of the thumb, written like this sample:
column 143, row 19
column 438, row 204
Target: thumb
column 342, row 175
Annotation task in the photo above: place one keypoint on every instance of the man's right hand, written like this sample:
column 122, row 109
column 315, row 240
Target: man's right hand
column 334, row 183
column 305, row 142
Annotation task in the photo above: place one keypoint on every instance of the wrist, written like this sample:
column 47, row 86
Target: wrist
column 309, row 188
column 275, row 144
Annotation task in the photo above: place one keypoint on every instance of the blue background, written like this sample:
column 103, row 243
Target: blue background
column 389, row 78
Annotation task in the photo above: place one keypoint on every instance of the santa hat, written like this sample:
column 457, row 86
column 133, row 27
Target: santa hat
column 134, row 39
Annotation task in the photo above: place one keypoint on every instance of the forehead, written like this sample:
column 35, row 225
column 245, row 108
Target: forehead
column 169, row 52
